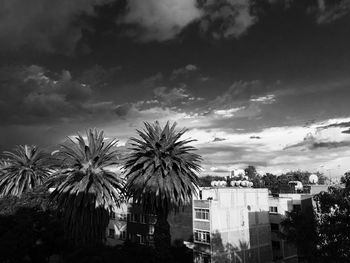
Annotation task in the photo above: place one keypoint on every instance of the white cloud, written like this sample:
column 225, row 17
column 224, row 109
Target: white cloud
column 267, row 99
column 227, row 113
column 161, row 19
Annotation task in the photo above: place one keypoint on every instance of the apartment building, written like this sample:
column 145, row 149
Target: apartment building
column 128, row 222
column 231, row 224
column 279, row 206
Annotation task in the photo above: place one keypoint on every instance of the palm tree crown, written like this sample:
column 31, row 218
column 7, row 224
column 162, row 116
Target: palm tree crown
column 161, row 169
column 87, row 192
column 24, row 169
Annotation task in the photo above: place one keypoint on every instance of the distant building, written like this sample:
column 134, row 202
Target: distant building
column 231, row 224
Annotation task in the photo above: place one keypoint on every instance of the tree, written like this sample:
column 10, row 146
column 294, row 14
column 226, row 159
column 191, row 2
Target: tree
column 333, row 213
column 253, row 176
column 270, row 181
column 346, row 179
column 29, row 227
column 25, row 168
column 87, row 191
column 299, row 228
column 161, row 176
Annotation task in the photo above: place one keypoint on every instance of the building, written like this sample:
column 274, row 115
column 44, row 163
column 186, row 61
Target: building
column 279, row 206
column 128, row 222
column 231, row 224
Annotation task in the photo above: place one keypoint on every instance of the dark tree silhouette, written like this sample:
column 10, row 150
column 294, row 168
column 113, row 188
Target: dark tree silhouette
column 87, row 192
column 161, row 176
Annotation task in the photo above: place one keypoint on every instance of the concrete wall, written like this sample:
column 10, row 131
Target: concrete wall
column 239, row 224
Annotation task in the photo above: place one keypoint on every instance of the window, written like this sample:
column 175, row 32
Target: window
column 122, row 217
column 122, row 235
column 273, row 209
column 112, row 215
column 201, row 213
column 275, row 227
column 202, row 236
column 151, row 229
column 141, row 239
column 276, row 245
column 297, row 208
column 111, row 233
column 142, row 219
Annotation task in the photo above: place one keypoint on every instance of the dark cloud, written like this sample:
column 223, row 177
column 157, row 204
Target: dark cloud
column 183, row 71
column 329, row 11
column 41, row 25
column 226, row 18
column 123, row 110
column 312, row 143
column 346, row 131
column 255, row 137
column 217, row 139
column 335, row 125
column 169, row 97
column 30, row 95
column 241, row 91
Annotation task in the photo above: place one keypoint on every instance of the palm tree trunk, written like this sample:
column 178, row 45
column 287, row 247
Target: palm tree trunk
column 162, row 237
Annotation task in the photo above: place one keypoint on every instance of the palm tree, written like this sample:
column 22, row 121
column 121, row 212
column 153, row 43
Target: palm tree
column 87, row 191
column 161, row 175
column 24, row 169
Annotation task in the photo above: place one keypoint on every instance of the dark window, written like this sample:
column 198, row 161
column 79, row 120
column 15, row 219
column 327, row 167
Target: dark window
column 122, row 235
column 274, row 227
column 201, row 213
column 297, row 207
column 276, row 245
column 202, row 236
column 273, row 209
column 111, row 233
column 112, row 215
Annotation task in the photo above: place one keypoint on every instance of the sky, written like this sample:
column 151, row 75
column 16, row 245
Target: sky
column 260, row 82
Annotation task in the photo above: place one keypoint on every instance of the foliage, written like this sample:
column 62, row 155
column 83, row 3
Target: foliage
column 277, row 184
column 346, row 179
column 126, row 253
column 161, row 169
column 30, row 229
column 161, row 175
column 25, row 168
column 299, row 228
column 333, row 213
column 253, row 176
column 205, row 181
column 323, row 236
column 87, row 191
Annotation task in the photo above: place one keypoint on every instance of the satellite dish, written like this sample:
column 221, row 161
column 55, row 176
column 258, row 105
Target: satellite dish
column 297, row 185
column 313, row 179
column 222, row 183
column 244, row 183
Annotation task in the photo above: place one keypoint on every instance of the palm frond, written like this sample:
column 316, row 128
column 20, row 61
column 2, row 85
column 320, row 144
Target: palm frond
column 161, row 169
column 86, row 190
column 26, row 168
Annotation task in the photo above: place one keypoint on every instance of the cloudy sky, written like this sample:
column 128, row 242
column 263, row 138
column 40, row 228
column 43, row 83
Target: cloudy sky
column 260, row 82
